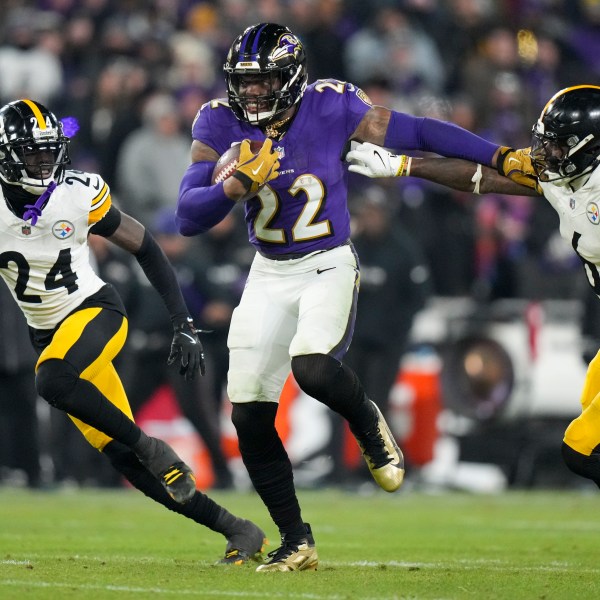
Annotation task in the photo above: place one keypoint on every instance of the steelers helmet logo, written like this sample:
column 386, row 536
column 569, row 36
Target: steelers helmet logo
column 63, row 230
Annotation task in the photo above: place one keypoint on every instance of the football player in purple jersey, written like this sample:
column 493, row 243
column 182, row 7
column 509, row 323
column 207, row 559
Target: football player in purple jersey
column 297, row 311
column 565, row 155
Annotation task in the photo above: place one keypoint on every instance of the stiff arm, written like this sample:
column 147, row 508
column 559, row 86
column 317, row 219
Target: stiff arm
column 462, row 175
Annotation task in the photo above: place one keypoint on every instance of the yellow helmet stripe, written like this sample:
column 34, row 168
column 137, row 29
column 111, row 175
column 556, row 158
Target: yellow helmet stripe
column 569, row 89
column 36, row 113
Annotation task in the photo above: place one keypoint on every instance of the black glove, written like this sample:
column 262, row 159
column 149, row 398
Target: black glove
column 187, row 347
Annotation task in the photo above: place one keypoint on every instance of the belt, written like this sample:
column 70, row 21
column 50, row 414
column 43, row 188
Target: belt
column 296, row 255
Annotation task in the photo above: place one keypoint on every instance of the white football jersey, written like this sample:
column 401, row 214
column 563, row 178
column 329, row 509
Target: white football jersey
column 47, row 266
column 579, row 214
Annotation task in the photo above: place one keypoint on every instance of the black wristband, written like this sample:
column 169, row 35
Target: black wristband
column 245, row 180
column 501, row 158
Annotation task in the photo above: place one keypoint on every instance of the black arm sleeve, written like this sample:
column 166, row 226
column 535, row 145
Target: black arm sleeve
column 108, row 224
column 160, row 274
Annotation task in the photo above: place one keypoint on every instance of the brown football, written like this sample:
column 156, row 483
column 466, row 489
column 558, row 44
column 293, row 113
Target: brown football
column 228, row 162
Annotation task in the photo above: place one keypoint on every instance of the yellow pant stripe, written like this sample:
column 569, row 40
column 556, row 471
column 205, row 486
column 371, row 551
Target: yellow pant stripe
column 101, row 372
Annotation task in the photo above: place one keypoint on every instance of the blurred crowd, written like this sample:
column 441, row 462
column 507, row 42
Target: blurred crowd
column 135, row 72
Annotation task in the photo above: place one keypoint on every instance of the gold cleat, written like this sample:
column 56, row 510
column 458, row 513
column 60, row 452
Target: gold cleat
column 299, row 555
column 382, row 455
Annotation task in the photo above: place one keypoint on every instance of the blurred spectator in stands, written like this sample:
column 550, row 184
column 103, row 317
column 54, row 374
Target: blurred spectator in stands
column 108, row 116
column 324, row 33
column 193, row 64
column 502, row 226
column 583, row 34
column 458, row 32
column 227, row 257
column 394, row 286
column 30, row 65
column 394, row 47
column 493, row 78
column 147, row 369
column 19, row 429
column 152, row 160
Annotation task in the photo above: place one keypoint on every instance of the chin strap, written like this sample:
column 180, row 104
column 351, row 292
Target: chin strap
column 34, row 211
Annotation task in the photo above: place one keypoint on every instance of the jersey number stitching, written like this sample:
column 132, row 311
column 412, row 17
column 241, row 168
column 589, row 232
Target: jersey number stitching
column 305, row 228
column 59, row 275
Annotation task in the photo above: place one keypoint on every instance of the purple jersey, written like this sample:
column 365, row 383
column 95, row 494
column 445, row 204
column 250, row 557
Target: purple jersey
column 305, row 208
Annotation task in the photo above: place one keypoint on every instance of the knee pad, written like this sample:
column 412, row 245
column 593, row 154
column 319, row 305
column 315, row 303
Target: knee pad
column 54, row 382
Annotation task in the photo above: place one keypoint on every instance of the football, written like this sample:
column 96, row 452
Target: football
column 228, row 162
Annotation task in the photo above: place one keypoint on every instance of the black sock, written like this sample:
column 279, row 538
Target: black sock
column 201, row 509
column 267, row 462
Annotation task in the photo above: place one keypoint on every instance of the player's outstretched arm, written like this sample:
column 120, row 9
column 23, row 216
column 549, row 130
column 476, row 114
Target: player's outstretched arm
column 186, row 346
column 400, row 131
column 466, row 176
column 374, row 161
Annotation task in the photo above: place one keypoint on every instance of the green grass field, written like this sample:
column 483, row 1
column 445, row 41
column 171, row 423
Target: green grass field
column 117, row 544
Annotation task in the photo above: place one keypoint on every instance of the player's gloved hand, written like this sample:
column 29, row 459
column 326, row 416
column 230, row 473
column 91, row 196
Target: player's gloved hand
column 254, row 170
column 516, row 165
column 187, row 348
column 374, row 161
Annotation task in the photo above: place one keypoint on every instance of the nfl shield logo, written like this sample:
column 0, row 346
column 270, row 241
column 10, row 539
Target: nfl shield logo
column 26, row 230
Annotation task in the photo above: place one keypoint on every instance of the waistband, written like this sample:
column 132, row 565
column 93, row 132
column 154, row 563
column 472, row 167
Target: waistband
column 297, row 255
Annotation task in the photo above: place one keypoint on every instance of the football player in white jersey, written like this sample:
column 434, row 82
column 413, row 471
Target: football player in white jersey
column 562, row 165
column 77, row 322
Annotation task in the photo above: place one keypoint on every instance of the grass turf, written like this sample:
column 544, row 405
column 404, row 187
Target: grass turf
column 117, row 544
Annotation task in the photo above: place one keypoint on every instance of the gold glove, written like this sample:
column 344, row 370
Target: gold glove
column 254, row 170
column 516, row 165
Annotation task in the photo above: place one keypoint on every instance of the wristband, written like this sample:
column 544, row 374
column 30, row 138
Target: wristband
column 476, row 179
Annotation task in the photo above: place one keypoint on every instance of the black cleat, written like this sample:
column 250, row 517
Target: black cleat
column 179, row 481
column 292, row 555
column 244, row 545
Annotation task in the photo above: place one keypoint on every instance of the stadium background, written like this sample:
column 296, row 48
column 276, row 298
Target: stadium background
column 505, row 289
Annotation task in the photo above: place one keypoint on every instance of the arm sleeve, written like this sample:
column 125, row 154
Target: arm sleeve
column 406, row 132
column 160, row 274
column 108, row 224
column 200, row 205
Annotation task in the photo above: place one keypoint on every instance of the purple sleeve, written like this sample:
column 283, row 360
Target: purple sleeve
column 406, row 132
column 200, row 205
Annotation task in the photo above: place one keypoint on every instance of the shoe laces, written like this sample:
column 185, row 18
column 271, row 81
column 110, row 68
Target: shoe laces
column 286, row 549
column 374, row 447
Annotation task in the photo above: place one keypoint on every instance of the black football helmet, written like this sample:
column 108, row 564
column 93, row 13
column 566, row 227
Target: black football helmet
column 566, row 137
column 33, row 148
column 271, row 52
